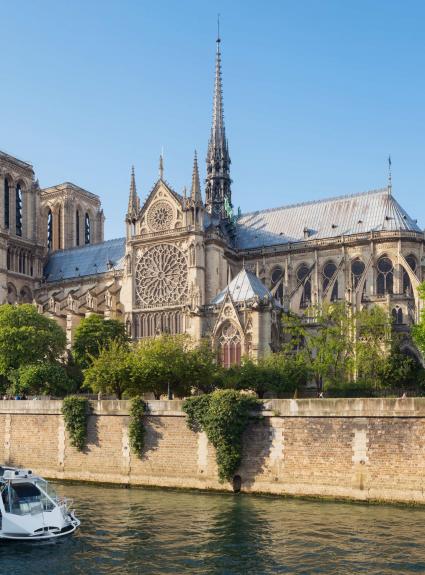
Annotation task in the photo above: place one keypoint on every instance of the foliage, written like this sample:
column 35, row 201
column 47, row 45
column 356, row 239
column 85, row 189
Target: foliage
column 75, row 411
column 28, row 338
column 326, row 350
column 136, row 427
column 94, row 334
column 42, row 379
column 160, row 365
column 418, row 330
column 110, row 372
column 201, row 369
column 224, row 416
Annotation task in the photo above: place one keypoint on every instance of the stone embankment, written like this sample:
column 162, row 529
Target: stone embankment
column 363, row 449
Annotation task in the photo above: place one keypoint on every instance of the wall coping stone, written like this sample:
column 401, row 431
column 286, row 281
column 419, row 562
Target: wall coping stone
column 334, row 407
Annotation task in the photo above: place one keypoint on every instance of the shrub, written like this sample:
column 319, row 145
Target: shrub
column 136, row 427
column 75, row 411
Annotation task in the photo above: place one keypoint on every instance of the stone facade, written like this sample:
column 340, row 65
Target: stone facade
column 362, row 449
column 192, row 266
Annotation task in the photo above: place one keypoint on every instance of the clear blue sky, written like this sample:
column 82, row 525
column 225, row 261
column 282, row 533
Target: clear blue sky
column 316, row 95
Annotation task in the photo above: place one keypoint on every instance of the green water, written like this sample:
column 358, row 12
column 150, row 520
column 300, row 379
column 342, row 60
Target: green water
column 132, row 531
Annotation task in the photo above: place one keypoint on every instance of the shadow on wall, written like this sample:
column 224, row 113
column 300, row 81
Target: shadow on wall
column 257, row 445
column 153, row 434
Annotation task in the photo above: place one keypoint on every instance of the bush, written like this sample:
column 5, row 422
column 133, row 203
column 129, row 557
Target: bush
column 75, row 411
column 42, row 379
column 136, row 427
column 224, row 416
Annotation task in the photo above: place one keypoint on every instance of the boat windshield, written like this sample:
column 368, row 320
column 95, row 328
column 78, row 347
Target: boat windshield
column 47, row 488
column 25, row 499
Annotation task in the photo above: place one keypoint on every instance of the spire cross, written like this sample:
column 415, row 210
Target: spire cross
column 218, row 29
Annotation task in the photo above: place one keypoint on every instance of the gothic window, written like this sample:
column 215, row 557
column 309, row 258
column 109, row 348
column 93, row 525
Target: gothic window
column 385, row 276
column 12, row 295
column 357, row 270
column 303, row 276
column 18, row 210
column 6, row 203
column 49, row 230
column 277, row 280
column 397, row 315
column 87, row 229
column 160, row 216
column 8, row 260
column 25, row 295
column 77, row 228
column 328, row 273
column 161, row 277
column 229, row 346
column 59, row 242
column 407, row 285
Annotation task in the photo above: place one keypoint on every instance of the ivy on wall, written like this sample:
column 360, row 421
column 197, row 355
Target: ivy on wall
column 75, row 411
column 136, row 428
column 224, row 416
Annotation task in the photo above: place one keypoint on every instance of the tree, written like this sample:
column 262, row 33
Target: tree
column 202, row 369
column 28, row 338
column 110, row 372
column 94, row 334
column 326, row 348
column 42, row 379
column 160, row 365
column 418, row 330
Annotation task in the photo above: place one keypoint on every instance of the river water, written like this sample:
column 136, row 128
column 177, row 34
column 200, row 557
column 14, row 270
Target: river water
column 141, row 531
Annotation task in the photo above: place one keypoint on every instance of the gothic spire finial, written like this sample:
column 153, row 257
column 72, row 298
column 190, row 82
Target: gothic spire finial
column 133, row 199
column 161, row 166
column 195, row 193
column 217, row 189
column 390, row 183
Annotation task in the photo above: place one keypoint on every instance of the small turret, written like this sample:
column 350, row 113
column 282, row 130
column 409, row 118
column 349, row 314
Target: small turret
column 194, row 203
column 133, row 206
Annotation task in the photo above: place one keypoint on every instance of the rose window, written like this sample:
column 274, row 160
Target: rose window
column 161, row 277
column 160, row 216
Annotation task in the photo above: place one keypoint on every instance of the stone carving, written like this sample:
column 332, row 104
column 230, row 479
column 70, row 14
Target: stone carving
column 160, row 216
column 161, row 277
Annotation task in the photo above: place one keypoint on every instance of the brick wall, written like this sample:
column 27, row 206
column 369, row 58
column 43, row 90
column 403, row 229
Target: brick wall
column 367, row 449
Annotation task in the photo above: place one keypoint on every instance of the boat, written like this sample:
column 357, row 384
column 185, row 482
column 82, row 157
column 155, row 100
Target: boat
column 30, row 509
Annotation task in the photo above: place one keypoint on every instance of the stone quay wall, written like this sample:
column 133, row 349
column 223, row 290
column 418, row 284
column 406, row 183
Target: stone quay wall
column 362, row 449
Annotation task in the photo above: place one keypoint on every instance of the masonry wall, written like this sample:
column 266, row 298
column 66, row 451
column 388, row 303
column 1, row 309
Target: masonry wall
column 366, row 449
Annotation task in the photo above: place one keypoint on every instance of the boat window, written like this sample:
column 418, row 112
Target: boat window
column 26, row 499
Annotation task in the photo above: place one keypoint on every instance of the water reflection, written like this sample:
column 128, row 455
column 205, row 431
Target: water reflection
column 132, row 531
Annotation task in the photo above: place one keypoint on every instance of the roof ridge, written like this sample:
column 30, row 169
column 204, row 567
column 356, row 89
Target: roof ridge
column 85, row 246
column 321, row 201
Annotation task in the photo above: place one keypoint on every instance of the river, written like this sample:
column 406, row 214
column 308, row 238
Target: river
column 153, row 532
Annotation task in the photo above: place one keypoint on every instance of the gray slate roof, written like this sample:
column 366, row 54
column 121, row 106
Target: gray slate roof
column 243, row 287
column 86, row 260
column 365, row 212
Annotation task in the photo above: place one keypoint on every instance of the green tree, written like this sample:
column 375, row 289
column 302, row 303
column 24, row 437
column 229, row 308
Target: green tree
column 418, row 330
column 28, row 338
column 160, row 365
column 110, row 371
column 201, row 369
column 324, row 341
column 94, row 334
column 42, row 379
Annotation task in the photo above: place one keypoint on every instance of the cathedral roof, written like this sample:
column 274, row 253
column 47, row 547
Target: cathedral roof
column 376, row 210
column 86, row 260
column 243, row 287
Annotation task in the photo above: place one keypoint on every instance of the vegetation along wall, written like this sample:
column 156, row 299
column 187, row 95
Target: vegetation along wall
column 365, row 449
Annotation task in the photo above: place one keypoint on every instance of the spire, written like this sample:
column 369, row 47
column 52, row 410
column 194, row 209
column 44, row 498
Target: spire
column 161, row 167
column 195, row 193
column 390, row 183
column 218, row 180
column 133, row 199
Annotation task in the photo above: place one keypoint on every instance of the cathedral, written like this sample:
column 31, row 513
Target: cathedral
column 189, row 264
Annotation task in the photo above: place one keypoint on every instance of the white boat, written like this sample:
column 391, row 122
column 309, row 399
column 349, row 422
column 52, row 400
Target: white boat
column 30, row 510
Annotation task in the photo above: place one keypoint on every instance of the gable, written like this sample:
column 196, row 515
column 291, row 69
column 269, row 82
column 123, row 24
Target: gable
column 163, row 210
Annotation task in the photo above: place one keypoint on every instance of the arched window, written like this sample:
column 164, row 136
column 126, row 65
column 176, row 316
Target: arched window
column 407, row 284
column 385, row 276
column 8, row 260
column 87, row 230
column 49, row 230
column 302, row 273
column 357, row 270
column 328, row 273
column 277, row 280
column 18, row 210
column 6, row 203
column 397, row 315
column 59, row 242
column 77, row 227
column 229, row 346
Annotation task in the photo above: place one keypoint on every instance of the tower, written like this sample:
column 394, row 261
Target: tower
column 217, row 184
